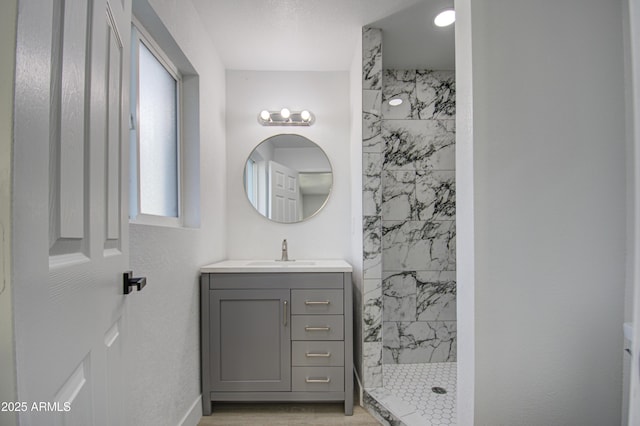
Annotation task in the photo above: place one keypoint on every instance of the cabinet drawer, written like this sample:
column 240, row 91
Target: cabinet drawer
column 327, row 302
column 317, row 327
column 308, row 352
column 317, row 379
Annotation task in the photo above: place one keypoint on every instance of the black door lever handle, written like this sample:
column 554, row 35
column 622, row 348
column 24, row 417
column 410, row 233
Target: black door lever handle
column 128, row 281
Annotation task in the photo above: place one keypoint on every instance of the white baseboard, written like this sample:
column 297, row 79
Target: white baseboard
column 193, row 416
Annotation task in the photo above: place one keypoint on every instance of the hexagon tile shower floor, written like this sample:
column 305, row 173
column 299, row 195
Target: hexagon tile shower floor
column 420, row 394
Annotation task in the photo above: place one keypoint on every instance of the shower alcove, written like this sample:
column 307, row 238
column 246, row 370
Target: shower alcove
column 408, row 334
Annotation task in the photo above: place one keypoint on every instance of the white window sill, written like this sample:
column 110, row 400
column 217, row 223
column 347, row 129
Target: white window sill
column 152, row 220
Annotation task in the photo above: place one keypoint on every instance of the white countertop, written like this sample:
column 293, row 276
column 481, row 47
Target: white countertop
column 256, row 265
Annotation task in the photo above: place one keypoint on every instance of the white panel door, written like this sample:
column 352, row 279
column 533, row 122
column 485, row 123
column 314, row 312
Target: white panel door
column 69, row 209
column 284, row 196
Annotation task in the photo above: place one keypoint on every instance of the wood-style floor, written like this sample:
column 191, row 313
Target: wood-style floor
column 321, row 414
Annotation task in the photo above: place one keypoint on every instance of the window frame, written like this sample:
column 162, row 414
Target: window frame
column 139, row 35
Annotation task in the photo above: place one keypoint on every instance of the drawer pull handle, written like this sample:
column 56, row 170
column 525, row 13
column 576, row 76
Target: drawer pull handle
column 325, row 380
column 311, row 302
column 317, row 328
column 318, row 355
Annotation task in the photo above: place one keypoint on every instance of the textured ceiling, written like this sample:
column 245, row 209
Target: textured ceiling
column 295, row 35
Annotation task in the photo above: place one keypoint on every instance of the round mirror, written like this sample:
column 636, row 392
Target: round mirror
column 288, row 178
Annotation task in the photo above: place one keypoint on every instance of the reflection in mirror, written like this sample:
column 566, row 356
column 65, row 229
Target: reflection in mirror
column 288, row 178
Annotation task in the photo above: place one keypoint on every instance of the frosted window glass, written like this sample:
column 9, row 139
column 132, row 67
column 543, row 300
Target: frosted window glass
column 158, row 144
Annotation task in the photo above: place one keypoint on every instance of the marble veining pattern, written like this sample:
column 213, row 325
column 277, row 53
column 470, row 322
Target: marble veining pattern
column 371, row 121
column 418, row 214
column 372, row 311
column 400, row 84
column 419, row 341
column 426, row 94
column 419, row 296
column 372, row 247
column 436, row 295
column 436, row 94
column 372, row 164
column 418, row 145
column 435, row 195
column 371, row 58
column 371, row 195
column 372, row 364
column 399, row 294
column 418, row 195
column 419, row 245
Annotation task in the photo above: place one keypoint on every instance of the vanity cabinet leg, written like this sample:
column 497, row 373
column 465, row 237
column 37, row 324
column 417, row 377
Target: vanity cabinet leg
column 206, row 407
column 348, row 407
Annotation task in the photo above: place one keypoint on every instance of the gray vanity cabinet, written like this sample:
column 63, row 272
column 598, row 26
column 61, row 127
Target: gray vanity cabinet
column 277, row 337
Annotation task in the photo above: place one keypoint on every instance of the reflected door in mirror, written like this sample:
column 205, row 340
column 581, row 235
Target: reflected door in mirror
column 288, row 178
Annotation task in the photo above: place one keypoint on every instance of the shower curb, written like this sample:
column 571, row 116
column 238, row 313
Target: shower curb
column 380, row 412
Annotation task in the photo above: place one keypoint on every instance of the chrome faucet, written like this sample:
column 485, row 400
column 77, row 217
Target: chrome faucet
column 285, row 251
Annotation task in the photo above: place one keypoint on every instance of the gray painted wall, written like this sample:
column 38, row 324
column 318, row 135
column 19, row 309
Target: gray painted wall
column 164, row 317
column 549, row 175
column 7, row 347
column 326, row 95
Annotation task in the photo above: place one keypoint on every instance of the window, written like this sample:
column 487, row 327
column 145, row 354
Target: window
column 155, row 133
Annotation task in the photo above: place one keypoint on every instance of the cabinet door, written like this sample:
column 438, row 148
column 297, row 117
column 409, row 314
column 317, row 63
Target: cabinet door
column 250, row 337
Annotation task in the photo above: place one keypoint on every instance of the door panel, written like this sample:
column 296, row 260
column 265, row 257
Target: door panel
column 114, row 111
column 70, row 223
column 73, row 400
column 71, row 21
column 283, row 193
column 250, row 338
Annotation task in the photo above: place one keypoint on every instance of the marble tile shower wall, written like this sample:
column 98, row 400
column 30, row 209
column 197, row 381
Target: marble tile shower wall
column 371, row 207
column 418, row 217
column 409, row 215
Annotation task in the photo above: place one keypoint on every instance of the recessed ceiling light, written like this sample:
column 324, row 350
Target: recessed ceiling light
column 395, row 101
column 445, row 18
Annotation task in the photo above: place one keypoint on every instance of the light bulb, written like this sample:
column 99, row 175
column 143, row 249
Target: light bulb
column 265, row 115
column 285, row 113
column 305, row 115
column 445, row 18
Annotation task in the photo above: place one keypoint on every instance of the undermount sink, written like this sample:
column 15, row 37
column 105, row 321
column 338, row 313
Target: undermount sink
column 265, row 265
column 281, row 263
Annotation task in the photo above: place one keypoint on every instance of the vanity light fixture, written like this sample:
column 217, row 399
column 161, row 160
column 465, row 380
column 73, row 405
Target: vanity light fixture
column 395, row 101
column 285, row 117
column 445, row 18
